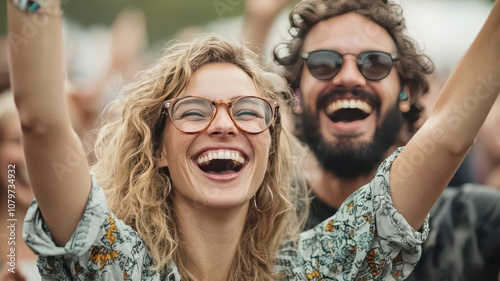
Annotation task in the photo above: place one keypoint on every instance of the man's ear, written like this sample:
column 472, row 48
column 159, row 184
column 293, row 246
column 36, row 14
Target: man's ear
column 162, row 160
column 405, row 99
column 297, row 101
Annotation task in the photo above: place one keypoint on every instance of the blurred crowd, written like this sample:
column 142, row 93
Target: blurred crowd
column 100, row 60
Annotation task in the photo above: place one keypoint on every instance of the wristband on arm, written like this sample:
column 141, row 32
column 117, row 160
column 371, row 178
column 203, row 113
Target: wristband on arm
column 45, row 7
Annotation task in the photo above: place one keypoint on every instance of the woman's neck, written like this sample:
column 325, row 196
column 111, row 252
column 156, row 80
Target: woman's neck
column 210, row 239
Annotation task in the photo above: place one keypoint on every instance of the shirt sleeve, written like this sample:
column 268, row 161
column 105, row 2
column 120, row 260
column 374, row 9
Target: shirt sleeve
column 367, row 239
column 101, row 248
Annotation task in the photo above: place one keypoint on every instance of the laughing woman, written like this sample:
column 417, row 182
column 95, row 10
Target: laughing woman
column 193, row 175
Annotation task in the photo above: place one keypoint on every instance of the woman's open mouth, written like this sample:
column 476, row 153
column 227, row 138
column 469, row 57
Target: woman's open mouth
column 221, row 161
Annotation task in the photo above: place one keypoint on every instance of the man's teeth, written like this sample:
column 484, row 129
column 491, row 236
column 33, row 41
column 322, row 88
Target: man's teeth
column 346, row 104
column 221, row 154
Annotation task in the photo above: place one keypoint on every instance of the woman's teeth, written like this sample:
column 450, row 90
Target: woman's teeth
column 234, row 155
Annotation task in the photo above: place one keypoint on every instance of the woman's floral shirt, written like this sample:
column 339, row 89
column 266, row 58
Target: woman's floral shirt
column 367, row 239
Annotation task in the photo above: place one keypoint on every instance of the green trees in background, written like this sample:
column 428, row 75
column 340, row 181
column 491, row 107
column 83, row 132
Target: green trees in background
column 164, row 17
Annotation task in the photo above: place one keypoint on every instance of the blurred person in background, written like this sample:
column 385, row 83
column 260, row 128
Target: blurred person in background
column 4, row 67
column 12, row 153
column 100, row 63
column 486, row 151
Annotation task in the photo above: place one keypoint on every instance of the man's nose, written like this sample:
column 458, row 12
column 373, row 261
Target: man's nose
column 349, row 75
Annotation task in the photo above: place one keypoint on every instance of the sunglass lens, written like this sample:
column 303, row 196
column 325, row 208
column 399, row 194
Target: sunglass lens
column 375, row 65
column 324, row 65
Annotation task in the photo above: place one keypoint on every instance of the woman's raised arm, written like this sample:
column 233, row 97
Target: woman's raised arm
column 57, row 165
column 432, row 156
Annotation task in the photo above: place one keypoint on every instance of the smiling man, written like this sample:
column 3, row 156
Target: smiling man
column 351, row 92
column 358, row 79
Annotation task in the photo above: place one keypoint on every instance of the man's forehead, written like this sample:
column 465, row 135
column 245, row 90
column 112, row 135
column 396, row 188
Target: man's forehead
column 349, row 33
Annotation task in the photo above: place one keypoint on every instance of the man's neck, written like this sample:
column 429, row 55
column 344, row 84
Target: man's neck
column 329, row 188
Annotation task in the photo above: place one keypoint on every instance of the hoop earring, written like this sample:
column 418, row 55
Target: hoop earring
column 255, row 204
column 271, row 192
column 255, row 201
column 169, row 185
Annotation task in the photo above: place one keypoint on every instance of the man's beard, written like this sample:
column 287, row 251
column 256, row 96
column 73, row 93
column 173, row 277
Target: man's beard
column 348, row 158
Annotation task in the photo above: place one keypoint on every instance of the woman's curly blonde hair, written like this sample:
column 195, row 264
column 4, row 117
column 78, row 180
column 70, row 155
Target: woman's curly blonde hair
column 128, row 146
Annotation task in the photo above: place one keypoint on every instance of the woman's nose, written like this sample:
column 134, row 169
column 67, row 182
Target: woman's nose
column 222, row 124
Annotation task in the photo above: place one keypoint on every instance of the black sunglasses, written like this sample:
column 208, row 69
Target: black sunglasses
column 373, row 65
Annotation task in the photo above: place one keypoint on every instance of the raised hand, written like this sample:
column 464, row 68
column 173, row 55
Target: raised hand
column 259, row 17
column 265, row 10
